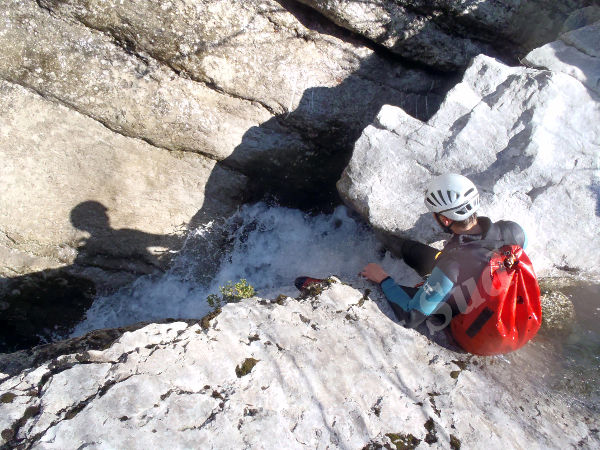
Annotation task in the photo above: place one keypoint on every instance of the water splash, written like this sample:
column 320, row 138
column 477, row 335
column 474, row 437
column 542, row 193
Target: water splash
column 268, row 246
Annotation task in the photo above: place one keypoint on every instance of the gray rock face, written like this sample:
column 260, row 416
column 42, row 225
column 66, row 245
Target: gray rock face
column 73, row 189
column 243, row 83
column 205, row 77
column 446, row 34
column 528, row 138
column 330, row 370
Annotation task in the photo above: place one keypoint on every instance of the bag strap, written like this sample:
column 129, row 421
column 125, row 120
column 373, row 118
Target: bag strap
column 488, row 244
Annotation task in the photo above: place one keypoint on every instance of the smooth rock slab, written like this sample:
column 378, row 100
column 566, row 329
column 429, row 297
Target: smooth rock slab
column 527, row 138
column 332, row 371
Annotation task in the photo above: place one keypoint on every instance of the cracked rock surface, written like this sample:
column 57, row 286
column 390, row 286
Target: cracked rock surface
column 132, row 104
column 526, row 137
column 55, row 159
column 447, row 34
column 331, row 371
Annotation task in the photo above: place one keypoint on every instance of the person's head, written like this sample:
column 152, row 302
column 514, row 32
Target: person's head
column 454, row 200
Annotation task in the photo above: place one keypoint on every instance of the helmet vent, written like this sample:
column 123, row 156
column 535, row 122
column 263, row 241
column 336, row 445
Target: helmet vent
column 442, row 197
column 435, row 198
column 469, row 191
column 430, row 202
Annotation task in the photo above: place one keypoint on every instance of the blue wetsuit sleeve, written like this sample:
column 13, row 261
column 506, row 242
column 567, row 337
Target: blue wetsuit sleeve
column 395, row 293
column 427, row 299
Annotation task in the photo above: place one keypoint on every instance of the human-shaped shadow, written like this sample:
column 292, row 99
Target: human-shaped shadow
column 118, row 249
column 39, row 307
column 294, row 158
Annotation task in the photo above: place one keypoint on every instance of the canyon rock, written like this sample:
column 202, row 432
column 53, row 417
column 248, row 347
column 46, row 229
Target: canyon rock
column 447, row 34
column 330, row 370
column 526, row 137
column 132, row 104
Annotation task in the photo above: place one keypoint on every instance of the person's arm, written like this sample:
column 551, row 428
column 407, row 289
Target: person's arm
column 423, row 303
column 428, row 299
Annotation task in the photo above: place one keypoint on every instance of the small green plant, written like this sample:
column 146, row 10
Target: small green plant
column 231, row 293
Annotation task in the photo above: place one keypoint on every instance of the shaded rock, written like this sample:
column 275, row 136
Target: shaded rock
column 38, row 307
column 581, row 18
column 526, row 137
column 174, row 384
column 447, row 34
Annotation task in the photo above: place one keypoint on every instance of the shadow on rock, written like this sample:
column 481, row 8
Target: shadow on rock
column 118, row 249
column 40, row 307
column 294, row 159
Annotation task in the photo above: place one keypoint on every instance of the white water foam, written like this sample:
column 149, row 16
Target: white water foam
column 271, row 247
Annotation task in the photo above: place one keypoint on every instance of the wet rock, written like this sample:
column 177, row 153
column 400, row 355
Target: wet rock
column 41, row 307
column 558, row 313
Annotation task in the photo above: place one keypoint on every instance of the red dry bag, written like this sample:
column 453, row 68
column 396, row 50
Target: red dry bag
column 505, row 310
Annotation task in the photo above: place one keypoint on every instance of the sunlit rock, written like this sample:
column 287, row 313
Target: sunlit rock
column 576, row 53
column 332, row 370
column 529, row 140
column 446, row 34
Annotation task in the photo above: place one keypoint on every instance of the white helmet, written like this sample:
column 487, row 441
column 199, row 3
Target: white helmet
column 452, row 195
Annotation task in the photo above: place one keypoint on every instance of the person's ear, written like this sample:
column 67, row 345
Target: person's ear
column 447, row 222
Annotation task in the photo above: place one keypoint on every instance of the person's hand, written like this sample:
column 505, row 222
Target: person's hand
column 374, row 272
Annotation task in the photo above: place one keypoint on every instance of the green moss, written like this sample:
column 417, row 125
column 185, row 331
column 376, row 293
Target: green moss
column 246, row 367
column 314, row 290
column 462, row 365
column 431, row 436
column 365, row 297
column 30, row 412
column 280, row 300
column 7, row 398
column 403, row 441
column 231, row 293
column 429, row 425
column 454, row 443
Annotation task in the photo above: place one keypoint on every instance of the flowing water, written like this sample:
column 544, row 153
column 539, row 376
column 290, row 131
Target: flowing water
column 271, row 246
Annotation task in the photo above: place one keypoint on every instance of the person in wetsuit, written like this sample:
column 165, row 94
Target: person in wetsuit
column 452, row 274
